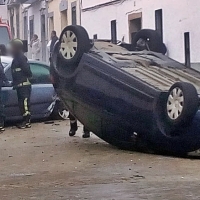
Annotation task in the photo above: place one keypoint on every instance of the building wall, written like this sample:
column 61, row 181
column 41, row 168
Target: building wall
column 16, row 25
column 53, row 7
column 64, row 17
column 4, row 12
column 178, row 17
column 35, row 11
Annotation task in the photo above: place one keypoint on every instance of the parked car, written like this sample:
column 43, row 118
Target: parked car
column 130, row 99
column 44, row 101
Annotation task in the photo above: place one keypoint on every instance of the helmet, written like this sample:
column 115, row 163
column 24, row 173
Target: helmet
column 17, row 43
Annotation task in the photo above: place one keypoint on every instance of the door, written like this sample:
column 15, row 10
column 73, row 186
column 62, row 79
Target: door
column 43, row 37
column 9, row 99
column 25, row 28
column 42, row 90
column 31, row 26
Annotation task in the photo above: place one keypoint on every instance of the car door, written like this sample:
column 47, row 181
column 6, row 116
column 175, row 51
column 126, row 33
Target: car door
column 9, row 98
column 41, row 95
column 42, row 90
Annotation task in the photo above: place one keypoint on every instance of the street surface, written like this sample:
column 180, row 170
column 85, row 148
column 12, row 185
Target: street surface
column 44, row 163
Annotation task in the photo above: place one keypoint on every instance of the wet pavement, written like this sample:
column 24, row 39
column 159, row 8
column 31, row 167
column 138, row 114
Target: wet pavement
column 45, row 163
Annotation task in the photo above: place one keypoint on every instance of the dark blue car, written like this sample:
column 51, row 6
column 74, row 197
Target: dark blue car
column 131, row 99
column 44, row 101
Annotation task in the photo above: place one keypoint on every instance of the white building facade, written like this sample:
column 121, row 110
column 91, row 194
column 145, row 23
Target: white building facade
column 176, row 21
column 35, row 21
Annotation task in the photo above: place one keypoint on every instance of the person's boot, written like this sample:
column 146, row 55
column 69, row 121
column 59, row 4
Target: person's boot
column 73, row 129
column 26, row 123
column 2, row 126
column 86, row 133
column 22, row 125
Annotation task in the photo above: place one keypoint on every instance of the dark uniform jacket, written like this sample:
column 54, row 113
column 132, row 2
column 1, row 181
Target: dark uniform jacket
column 20, row 71
column 3, row 78
column 53, row 41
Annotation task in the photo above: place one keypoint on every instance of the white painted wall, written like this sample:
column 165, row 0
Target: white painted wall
column 98, row 21
column 3, row 12
column 34, row 10
column 178, row 17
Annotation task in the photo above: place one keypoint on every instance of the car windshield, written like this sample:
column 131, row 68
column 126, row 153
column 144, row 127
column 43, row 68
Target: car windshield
column 4, row 39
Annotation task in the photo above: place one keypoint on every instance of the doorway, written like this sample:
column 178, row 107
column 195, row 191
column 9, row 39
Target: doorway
column 43, row 37
column 25, row 28
column 64, row 19
column 51, row 24
column 31, row 26
column 135, row 24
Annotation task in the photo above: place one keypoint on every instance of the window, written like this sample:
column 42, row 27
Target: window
column 31, row 26
column 11, row 26
column 41, row 74
column 74, row 13
column 113, row 31
column 159, row 22
column 25, row 28
column 187, row 48
column 95, row 37
column 4, row 39
column 17, row 23
column 51, row 24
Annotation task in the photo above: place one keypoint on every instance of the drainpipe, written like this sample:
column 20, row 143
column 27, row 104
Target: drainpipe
column 47, row 27
column 80, row 11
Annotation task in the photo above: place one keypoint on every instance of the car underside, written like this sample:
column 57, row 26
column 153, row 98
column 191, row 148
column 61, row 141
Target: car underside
column 131, row 99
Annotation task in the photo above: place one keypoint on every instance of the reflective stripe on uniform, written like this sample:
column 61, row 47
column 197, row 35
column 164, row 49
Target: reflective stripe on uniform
column 24, row 83
column 26, row 107
column 17, row 69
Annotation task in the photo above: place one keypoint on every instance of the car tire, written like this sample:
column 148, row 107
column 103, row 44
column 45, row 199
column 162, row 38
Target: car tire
column 152, row 38
column 60, row 112
column 74, row 42
column 182, row 104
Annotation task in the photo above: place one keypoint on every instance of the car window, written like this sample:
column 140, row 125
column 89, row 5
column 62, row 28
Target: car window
column 41, row 74
column 4, row 39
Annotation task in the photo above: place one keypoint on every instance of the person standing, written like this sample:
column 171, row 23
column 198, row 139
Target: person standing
column 21, row 73
column 74, row 127
column 3, row 50
column 3, row 80
column 54, row 38
column 35, row 45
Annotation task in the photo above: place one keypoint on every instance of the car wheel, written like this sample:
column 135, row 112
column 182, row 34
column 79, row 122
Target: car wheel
column 182, row 104
column 74, row 42
column 60, row 112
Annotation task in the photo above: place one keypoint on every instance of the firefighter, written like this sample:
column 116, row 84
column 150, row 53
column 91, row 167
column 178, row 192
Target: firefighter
column 74, row 127
column 21, row 74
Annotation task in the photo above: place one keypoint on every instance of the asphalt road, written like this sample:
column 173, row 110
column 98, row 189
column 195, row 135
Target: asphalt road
column 44, row 163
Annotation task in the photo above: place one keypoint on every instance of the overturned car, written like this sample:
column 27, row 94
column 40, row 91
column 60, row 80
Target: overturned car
column 130, row 99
